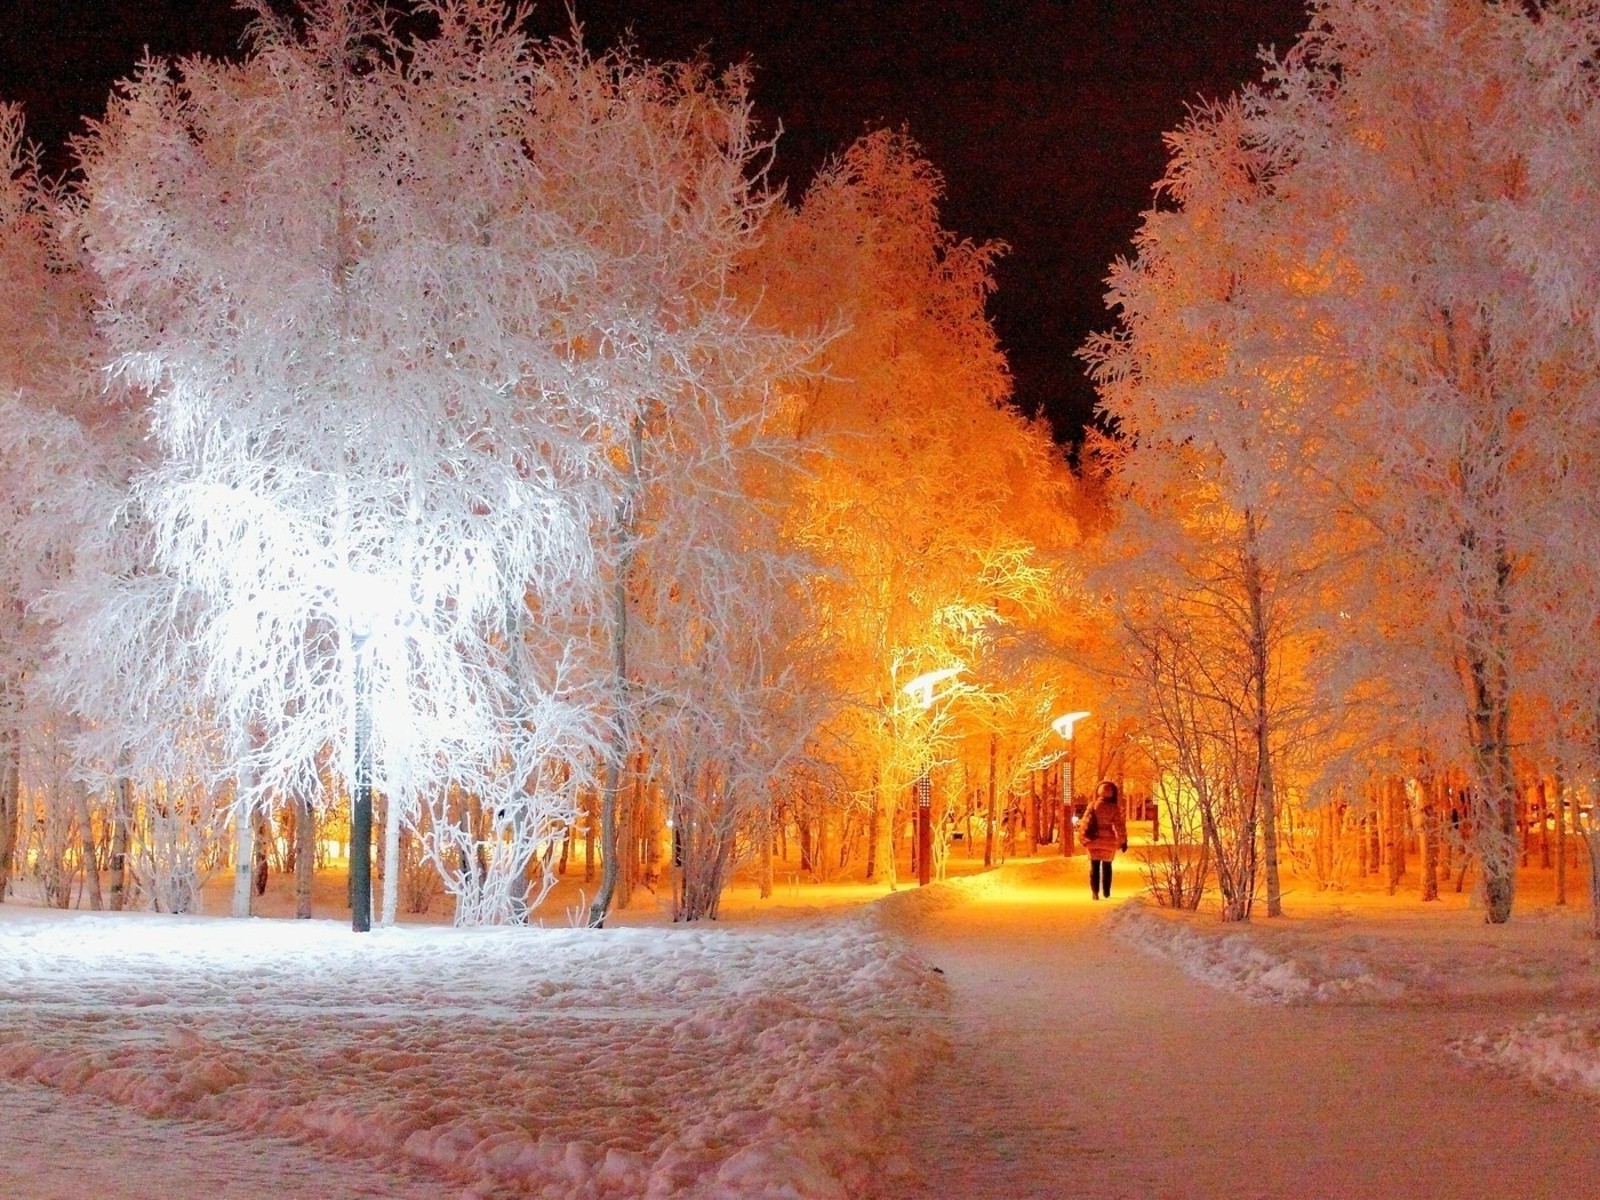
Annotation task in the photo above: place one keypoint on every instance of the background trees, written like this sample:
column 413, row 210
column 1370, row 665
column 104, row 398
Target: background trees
column 1333, row 304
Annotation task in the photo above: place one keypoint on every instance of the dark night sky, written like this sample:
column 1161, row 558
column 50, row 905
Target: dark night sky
column 1044, row 115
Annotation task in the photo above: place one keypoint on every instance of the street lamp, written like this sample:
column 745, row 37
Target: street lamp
column 361, row 789
column 921, row 691
column 1063, row 726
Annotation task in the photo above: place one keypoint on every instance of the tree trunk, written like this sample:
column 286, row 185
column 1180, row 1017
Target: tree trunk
column 305, row 855
column 808, row 856
column 10, row 806
column 874, row 831
column 590, row 816
column 1392, row 813
column 121, row 818
column 1561, row 840
column 766, row 865
column 627, row 836
column 988, row 836
column 1261, row 675
column 390, row 906
column 1430, row 837
column 889, row 806
column 244, row 858
column 1494, row 790
column 1543, row 816
column 91, row 852
column 1591, row 844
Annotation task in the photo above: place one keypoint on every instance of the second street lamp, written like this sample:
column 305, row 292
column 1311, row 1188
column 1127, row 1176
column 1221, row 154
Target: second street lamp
column 921, row 690
column 1063, row 726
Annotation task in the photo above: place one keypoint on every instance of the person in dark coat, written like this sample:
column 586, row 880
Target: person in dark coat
column 1104, row 832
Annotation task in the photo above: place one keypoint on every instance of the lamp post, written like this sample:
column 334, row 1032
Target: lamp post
column 924, row 793
column 361, row 793
column 921, row 690
column 1063, row 726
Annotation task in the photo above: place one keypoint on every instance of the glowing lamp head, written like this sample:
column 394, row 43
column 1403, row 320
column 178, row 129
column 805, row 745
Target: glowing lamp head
column 1064, row 723
column 921, row 689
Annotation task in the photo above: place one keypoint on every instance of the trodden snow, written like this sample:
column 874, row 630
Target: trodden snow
column 998, row 1035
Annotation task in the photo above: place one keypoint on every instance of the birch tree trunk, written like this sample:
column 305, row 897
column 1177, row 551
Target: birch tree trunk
column 121, row 817
column 10, row 807
column 305, row 856
column 91, row 852
column 244, row 835
column 244, row 844
column 1261, row 676
column 391, row 862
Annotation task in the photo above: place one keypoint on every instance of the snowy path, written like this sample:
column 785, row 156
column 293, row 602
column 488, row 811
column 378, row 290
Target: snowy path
column 1083, row 1068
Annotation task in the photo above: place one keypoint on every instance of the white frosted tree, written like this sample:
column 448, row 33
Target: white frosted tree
column 1544, row 226
column 382, row 348
column 432, row 326
column 725, row 687
column 1404, row 137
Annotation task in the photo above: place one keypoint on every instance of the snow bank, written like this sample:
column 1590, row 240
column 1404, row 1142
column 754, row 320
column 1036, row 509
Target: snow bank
column 1238, row 962
column 693, row 1062
column 1561, row 1051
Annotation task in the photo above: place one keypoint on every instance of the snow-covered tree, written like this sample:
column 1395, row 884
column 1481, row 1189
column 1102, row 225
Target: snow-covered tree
column 433, row 327
column 916, row 463
column 386, row 366
column 1375, row 296
column 1544, row 226
column 1405, row 137
column 66, row 449
column 1222, row 432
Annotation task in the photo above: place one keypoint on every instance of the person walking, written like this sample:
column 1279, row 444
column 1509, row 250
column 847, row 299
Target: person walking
column 1104, row 832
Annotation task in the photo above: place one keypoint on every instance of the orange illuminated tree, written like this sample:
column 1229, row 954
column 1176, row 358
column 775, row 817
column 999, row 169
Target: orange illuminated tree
column 917, row 470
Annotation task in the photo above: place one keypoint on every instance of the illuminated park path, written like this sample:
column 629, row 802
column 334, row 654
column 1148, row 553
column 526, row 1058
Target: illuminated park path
column 1083, row 1068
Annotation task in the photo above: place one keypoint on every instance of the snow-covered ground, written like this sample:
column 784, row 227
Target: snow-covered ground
column 1000, row 1035
column 707, row 1061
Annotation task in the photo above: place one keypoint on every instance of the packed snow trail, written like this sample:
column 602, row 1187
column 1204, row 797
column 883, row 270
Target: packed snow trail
column 1080, row 1067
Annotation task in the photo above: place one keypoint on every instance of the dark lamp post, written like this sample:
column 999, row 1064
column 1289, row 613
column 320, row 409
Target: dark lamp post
column 1063, row 725
column 361, row 795
column 921, row 690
